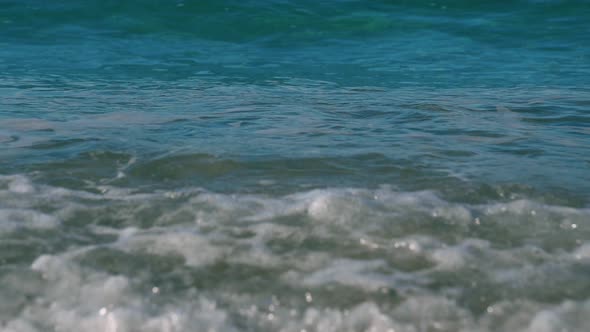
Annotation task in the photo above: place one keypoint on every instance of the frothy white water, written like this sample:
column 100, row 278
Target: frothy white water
column 69, row 298
column 320, row 260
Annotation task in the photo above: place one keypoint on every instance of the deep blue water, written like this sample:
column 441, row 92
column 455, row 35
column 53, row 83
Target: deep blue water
column 294, row 165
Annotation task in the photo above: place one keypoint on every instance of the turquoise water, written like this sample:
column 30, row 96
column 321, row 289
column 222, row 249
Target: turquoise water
column 294, row 166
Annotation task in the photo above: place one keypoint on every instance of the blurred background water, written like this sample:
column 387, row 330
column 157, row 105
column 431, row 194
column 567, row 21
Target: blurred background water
column 294, row 165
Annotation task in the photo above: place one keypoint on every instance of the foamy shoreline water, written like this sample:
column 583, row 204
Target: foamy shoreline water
column 320, row 260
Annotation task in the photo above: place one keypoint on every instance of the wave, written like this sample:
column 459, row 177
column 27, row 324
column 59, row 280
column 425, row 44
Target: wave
column 335, row 258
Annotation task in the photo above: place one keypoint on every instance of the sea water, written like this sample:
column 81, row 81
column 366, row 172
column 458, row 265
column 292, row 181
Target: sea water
column 285, row 165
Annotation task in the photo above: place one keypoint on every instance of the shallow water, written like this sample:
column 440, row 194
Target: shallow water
column 294, row 166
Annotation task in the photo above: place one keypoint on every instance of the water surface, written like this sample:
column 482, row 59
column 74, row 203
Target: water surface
column 294, row 166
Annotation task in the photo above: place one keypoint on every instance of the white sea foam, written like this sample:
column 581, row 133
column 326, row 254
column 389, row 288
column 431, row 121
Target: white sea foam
column 77, row 300
column 15, row 219
column 254, row 262
column 350, row 273
column 20, row 184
